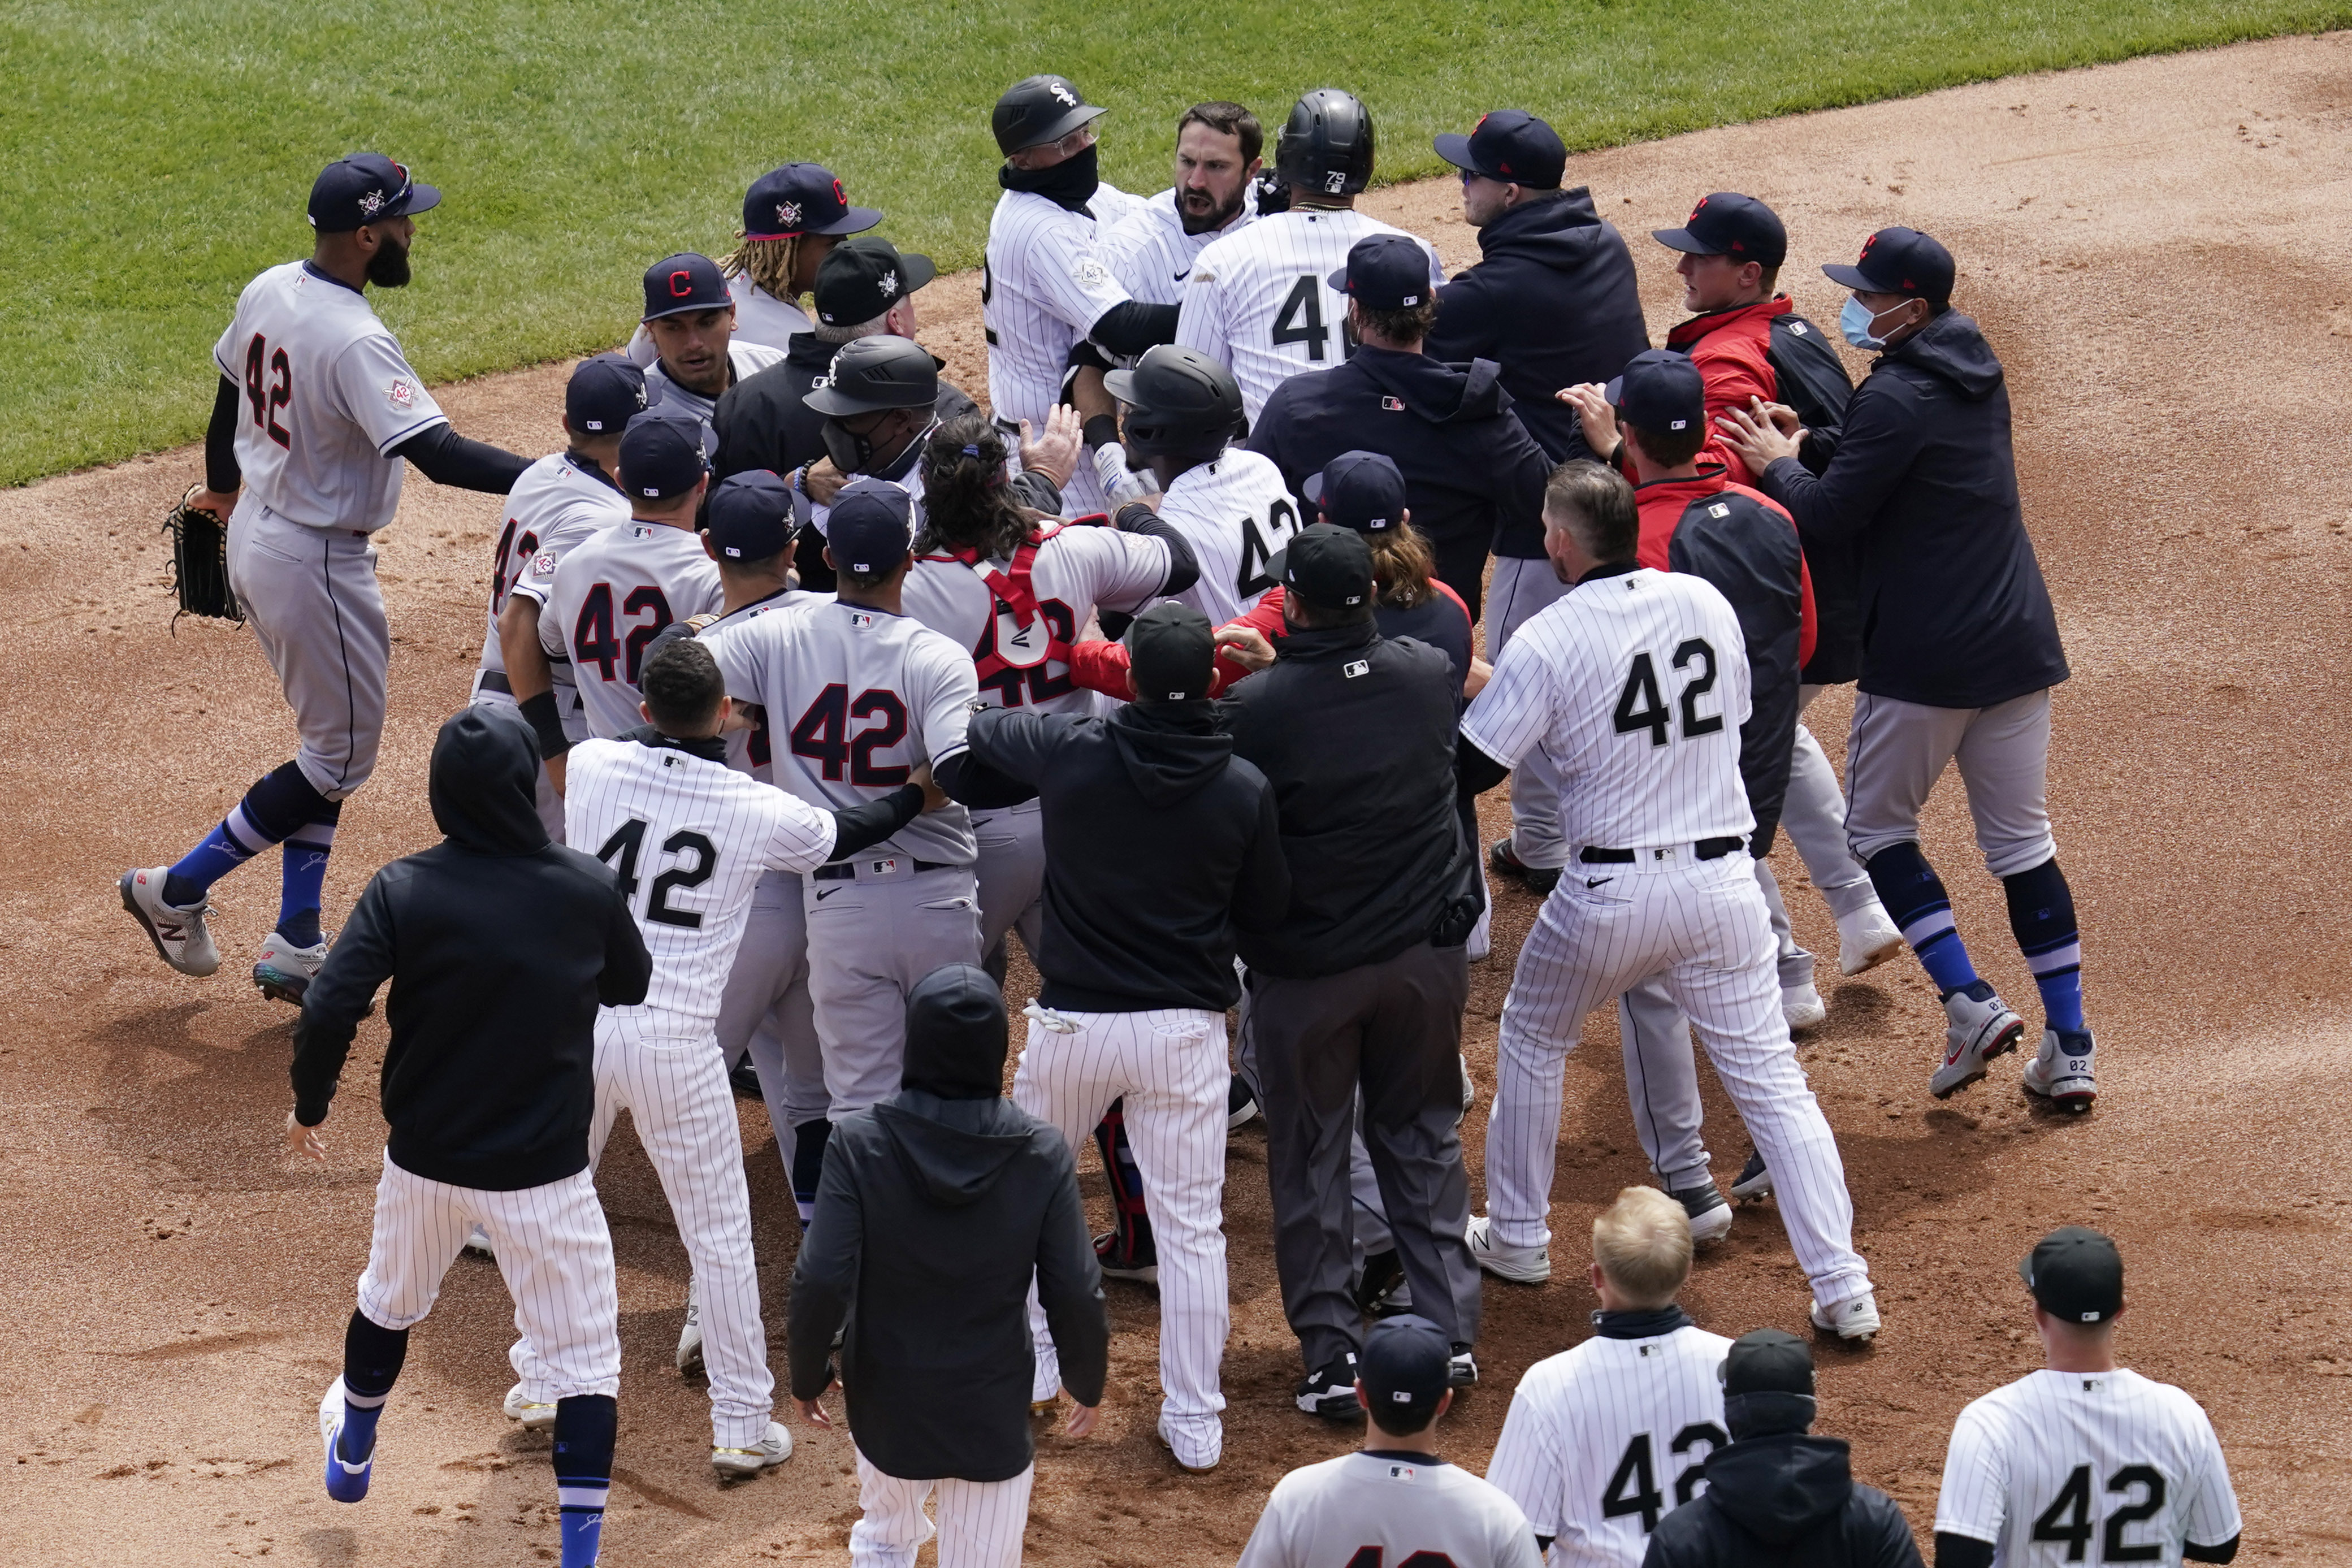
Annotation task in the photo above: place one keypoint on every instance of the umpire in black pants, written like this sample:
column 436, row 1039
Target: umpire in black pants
column 1361, row 987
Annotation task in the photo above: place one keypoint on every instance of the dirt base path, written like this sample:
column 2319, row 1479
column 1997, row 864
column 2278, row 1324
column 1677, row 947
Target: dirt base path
column 2157, row 249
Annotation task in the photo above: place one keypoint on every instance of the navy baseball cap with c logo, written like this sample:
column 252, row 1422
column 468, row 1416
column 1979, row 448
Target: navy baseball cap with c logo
column 664, row 452
column 1511, row 146
column 686, row 281
column 1898, row 261
column 1385, row 272
column 1362, row 490
column 362, row 188
column 750, row 516
column 604, row 393
column 801, row 198
column 1728, row 224
column 1660, row 390
column 871, row 527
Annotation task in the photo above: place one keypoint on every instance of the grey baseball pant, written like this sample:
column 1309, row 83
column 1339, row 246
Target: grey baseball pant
column 1898, row 750
column 766, row 1011
column 876, row 925
column 1011, row 877
column 1519, row 590
column 311, row 596
column 1813, row 816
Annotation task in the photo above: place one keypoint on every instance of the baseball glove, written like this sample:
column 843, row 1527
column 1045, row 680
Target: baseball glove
column 200, row 564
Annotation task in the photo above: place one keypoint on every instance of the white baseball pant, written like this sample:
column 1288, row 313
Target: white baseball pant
column 980, row 1522
column 765, row 1009
column 873, row 935
column 1813, row 816
column 1518, row 590
column 1011, row 877
column 554, row 1252
column 674, row 1086
column 1168, row 1065
column 310, row 597
column 1898, row 750
column 1701, row 924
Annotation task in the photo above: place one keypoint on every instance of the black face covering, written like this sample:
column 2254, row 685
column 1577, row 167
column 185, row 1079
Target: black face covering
column 850, row 451
column 388, row 268
column 1068, row 183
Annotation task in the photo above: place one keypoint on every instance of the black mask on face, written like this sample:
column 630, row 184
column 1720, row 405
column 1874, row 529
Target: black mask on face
column 388, row 268
column 850, row 452
column 1070, row 184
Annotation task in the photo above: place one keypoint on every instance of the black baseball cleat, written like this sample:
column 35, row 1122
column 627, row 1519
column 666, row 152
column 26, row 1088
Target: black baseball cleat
column 744, row 1080
column 1505, row 862
column 1138, row 1265
column 1241, row 1103
column 1383, row 1272
column 1331, row 1392
column 1463, row 1370
column 1754, row 1181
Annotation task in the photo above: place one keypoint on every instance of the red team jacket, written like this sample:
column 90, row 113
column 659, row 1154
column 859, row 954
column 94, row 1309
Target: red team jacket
column 1729, row 347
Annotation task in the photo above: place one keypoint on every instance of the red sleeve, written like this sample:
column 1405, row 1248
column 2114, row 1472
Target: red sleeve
column 1264, row 618
column 1101, row 666
column 1734, row 369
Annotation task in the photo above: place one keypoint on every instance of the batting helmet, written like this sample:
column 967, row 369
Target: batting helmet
column 875, row 374
column 1327, row 144
column 1039, row 109
column 1180, row 403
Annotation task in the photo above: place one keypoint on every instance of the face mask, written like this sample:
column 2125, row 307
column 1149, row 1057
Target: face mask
column 850, row 451
column 1856, row 319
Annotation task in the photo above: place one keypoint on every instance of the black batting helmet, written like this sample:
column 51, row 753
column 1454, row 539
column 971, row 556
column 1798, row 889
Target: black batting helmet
column 1327, row 144
column 1039, row 109
column 1180, row 403
column 871, row 375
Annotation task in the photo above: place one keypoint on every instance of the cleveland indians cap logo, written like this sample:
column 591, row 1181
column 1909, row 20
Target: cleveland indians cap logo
column 681, row 284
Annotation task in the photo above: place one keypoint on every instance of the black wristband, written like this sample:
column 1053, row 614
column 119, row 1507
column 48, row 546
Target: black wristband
column 1100, row 431
column 1136, row 518
column 541, row 714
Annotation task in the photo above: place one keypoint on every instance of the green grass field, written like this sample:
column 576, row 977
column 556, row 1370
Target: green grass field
column 156, row 158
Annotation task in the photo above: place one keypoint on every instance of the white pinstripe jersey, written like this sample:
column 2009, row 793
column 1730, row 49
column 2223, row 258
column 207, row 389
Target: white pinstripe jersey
column 688, row 839
column 1150, row 253
column 752, row 750
column 744, row 356
column 1235, row 514
column 1603, row 1440
column 1044, row 285
column 2063, row 1466
column 854, row 697
column 328, row 396
column 613, row 594
column 1074, row 571
column 1394, row 1507
column 1258, row 300
column 1635, row 685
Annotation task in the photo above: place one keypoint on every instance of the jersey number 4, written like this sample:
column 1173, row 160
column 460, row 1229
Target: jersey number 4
column 595, row 640
column 1258, row 549
column 1632, row 1489
column 822, row 734
column 270, row 386
column 1301, row 319
column 621, row 850
column 1641, row 707
column 2068, row 1518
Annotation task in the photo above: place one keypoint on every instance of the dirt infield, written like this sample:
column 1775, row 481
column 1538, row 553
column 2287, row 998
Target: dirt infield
column 2157, row 249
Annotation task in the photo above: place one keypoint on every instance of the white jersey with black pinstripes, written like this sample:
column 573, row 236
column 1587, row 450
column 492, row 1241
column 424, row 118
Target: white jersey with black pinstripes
column 1044, row 286
column 1390, row 1509
column 1236, row 513
column 1260, row 299
column 688, row 839
column 1151, row 256
column 610, row 596
column 2065, row 1467
column 1634, row 684
column 1602, row 1440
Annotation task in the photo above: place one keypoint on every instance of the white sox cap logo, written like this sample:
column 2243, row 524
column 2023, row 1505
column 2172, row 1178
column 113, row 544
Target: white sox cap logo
column 1063, row 94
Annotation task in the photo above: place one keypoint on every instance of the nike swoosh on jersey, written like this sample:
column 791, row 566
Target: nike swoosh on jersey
column 1181, row 276
column 825, row 893
column 1588, row 881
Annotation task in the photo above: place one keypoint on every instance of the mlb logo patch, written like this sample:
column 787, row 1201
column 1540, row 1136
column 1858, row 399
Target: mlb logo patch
column 1718, row 510
column 1393, row 404
column 1356, row 667
column 860, row 619
column 884, row 867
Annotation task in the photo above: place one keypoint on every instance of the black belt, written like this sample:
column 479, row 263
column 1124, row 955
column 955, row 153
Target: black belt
column 1708, row 849
column 495, row 680
column 847, row 870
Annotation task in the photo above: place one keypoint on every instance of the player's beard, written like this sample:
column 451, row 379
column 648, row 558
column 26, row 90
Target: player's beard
column 388, row 268
column 1216, row 217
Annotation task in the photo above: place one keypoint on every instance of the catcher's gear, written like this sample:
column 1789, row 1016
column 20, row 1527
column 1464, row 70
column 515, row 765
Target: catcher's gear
column 1179, row 404
column 1326, row 146
column 871, row 375
column 200, row 563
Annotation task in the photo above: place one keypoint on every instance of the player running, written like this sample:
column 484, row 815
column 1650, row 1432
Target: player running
column 1259, row 300
column 1635, row 683
column 316, row 407
column 2083, row 1460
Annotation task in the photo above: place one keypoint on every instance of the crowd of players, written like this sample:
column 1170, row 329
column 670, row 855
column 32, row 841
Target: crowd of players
column 1167, row 662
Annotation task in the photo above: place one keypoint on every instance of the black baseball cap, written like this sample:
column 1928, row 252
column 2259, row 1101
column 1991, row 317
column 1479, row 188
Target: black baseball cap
column 801, row 198
column 1898, row 261
column 1728, row 224
column 604, row 392
column 860, row 278
column 872, row 526
column 1406, row 1366
column 1329, row 567
column 362, row 188
column 1767, row 1361
column 1170, row 654
column 1510, row 145
column 664, row 452
column 750, row 516
column 1361, row 491
column 1384, row 272
column 2075, row 1273
column 1660, row 390
column 686, row 281
column 1039, row 109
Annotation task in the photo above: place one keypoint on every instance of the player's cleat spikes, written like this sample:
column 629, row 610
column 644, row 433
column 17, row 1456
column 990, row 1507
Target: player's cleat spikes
column 1505, row 862
column 1802, row 1007
column 1754, row 1181
column 1710, row 1215
column 773, row 1449
column 1866, row 939
column 346, row 1482
column 284, row 971
column 1330, row 1393
column 1521, row 1265
column 1981, row 1027
column 534, row 1416
column 179, row 934
column 1853, row 1319
column 2060, row 1071
column 690, row 1338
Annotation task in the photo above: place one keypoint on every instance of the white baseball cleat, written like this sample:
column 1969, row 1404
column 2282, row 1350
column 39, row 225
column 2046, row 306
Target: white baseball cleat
column 534, row 1416
column 1802, row 1007
column 1192, row 1459
column 1866, row 939
column 477, row 1242
column 1519, row 1265
column 2061, row 1073
column 690, row 1338
column 1710, row 1215
column 1855, row 1319
column 284, row 971
column 1469, row 1091
column 1981, row 1027
column 179, row 935
column 771, row 1451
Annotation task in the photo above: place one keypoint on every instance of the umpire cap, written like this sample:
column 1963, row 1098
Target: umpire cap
column 875, row 374
column 1180, row 403
column 1326, row 146
column 1037, row 110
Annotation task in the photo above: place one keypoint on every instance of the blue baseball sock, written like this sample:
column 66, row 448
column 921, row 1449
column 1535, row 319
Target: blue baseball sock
column 302, row 877
column 585, row 1426
column 1916, row 900
column 231, row 842
column 276, row 807
column 2041, row 914
column 372, row 1355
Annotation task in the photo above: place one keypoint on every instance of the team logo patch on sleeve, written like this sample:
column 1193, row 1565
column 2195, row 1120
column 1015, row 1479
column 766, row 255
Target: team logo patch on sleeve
column 544, row 563
column 400, row 393
column 1091, row 273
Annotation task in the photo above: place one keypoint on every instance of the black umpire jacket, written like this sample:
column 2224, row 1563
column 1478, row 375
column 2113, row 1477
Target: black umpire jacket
column 488, row 1079
column 1783, row 1500
column 763, row 421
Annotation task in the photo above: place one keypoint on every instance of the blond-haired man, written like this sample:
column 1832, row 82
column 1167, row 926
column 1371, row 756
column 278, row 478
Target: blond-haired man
column 1602, row 1440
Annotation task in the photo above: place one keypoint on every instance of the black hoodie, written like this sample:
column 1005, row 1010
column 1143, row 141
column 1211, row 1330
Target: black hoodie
column 1924, row 484
column 1159, row 843
column 1783, row 1500
column 1471, row 470
column 1556, row 302
column 499, row 946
